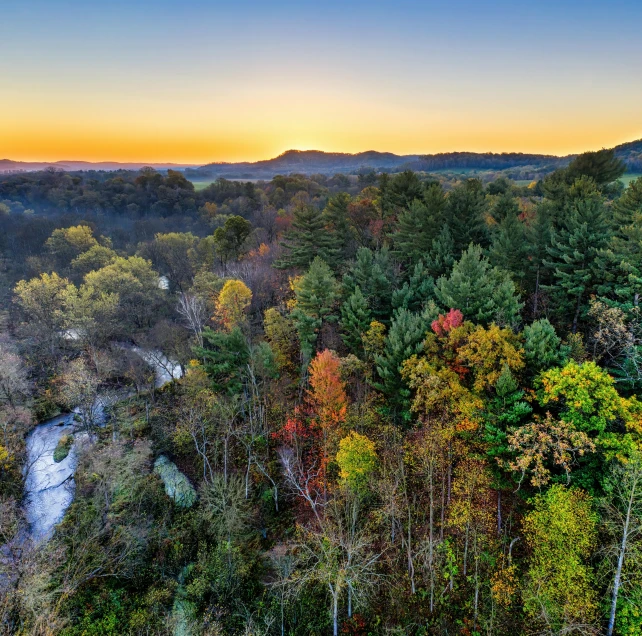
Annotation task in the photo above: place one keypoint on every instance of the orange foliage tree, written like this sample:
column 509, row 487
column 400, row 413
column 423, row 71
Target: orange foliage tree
column 327, row 400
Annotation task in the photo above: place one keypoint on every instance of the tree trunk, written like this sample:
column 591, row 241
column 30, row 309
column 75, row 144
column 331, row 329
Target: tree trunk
column 411, row 565
column 536, row 299
column 282, row 617
column 335, row 613
column 476, row 586
column 431, row 539
column 620, row 562
column 247, row 477
column 466, row 549
column 577, row 312
column 225, row 459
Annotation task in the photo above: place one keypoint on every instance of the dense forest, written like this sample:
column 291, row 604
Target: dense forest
column 384, row 404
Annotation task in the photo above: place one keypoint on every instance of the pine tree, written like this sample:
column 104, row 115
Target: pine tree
column 316, row 296
column 385, row 204
column 510, row 249
column 226, row 356
column 405, row 338
column 373, row 273
column 539, row 236
column 542, row 346
column 602, row 166
column 620, row 270
column 335, row 215
column 402, row 190
column 418, row 226
column 307, row 239
column 507, row 410
column 441, row 257
column 415, row 291
column 575, row 246
column 355, row 321
column 484, row 294
column 465, row 210
column 505, row 206
column 627, row 210
column 620, row 264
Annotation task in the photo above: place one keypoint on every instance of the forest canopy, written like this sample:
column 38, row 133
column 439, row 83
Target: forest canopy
column 375, row 404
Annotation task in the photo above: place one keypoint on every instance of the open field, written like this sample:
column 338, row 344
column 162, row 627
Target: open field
column 630, row 176
column 201, row 185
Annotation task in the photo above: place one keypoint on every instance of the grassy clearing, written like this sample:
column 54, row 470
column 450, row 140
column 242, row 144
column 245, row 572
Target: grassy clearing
column 201, row 185
column 629, row 176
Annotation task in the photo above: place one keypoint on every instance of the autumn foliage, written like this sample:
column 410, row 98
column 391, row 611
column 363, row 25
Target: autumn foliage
column 444, row 324
column 327, row 395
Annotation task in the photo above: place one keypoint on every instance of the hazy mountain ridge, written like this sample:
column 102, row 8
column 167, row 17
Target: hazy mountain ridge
column 9, row 165
column 317, row 161
column 320, row 162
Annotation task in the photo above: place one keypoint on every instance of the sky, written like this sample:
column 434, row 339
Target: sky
column 197, row 81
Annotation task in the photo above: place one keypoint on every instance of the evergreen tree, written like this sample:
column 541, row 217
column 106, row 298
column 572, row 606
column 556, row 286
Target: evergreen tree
column 575, row 246
column 484, row 294
column 419, row 224
column 510, row 249
column 465, row 210
column 602, row 166
column 620, row 269
column 415, row 291
column 401, row 190
column 226, row 356
column 316, row 296
column 335, row 215
column 627, row 210
column 505, row 206
column 499, row 186
column 384, row 194
column 308, row 238
column 542, row 347
column 355, row 321
column 373, row 272
column 441, row 258
column 506, row 411
column 599, row 168
column 620, row 264
column 539, row 235
column 405, row 338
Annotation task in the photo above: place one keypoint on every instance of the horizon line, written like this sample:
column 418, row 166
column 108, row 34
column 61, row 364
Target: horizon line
column 188, row 164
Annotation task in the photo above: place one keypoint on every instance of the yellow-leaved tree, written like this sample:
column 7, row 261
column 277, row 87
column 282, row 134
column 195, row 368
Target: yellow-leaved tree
column 357, row 459
column 233, row 303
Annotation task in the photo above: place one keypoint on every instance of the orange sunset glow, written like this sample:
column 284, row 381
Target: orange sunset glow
column 92, row 87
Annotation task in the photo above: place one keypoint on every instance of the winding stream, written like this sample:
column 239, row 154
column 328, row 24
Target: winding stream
column 49, row 485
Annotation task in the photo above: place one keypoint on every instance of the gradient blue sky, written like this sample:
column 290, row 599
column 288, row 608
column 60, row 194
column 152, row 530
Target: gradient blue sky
column 197, row 81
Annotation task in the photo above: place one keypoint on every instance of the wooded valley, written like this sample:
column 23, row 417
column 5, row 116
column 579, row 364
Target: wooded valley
column 371, row 404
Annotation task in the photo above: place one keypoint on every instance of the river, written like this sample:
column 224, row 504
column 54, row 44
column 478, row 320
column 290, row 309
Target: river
column 49, row 485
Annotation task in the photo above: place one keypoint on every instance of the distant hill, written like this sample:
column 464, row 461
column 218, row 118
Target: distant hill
column 307, row 162
column 8, row 165
column 631, row 154
column 318, row 162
